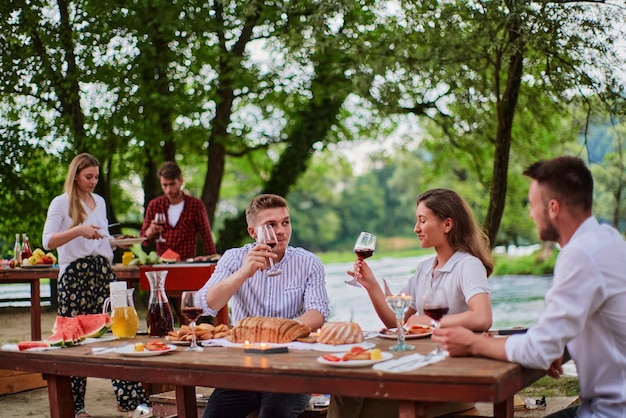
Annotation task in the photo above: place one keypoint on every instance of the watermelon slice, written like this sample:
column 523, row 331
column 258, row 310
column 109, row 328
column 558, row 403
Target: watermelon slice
column 94, row 325
column 68, row 331
column 26, row 345
column 170, row 256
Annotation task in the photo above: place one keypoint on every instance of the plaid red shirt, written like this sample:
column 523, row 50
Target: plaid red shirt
column 181, row 238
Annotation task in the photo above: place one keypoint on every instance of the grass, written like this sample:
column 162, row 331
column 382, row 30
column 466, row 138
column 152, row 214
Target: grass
column 549, row 387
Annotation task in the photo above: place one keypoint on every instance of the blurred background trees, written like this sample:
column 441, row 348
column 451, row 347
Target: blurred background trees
column 285, row 97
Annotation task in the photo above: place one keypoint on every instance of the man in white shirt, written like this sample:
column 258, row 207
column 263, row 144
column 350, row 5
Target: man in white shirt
column 584, row 308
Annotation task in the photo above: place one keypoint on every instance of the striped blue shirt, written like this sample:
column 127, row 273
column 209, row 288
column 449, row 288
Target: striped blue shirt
column 301, row 286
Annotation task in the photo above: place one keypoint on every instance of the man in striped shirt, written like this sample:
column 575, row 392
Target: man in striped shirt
column 299, row 292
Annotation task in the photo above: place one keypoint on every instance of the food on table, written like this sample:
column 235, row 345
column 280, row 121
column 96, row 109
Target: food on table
column 340, row 333
column 139, row 347
column 419, row 329
column 156, row 345
column 68, row 331
column 356, row 353
column 260, row 329
column 39, row 257
column 26, row 345
column 170, row 256
column 202, row 331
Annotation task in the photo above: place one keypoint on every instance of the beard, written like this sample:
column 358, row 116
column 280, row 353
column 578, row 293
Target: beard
column 548, row 231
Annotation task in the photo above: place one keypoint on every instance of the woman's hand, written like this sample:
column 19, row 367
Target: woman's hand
column 89, row 231
column 365, row 276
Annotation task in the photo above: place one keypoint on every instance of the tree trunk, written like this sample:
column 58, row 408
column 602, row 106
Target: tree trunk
column 313, row 124
column 505, row 110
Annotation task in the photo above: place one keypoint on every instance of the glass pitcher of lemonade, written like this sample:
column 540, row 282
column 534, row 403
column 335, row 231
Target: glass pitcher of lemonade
column 123, row 314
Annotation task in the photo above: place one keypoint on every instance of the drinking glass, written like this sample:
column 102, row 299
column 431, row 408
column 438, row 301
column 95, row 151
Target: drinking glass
column 265, row 235
column 191, row 310
column 435, row 307
column 363, row 248
column 159, row 219
column 399, row 304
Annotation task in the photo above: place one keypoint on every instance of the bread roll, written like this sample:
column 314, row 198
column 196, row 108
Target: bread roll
column 340, row 333
column 260, row 329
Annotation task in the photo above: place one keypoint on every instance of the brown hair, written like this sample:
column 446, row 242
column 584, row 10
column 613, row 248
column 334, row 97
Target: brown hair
column 170, row 170
column 465, row 235
column 262, row 202
column 566, row 179
column 80, row 162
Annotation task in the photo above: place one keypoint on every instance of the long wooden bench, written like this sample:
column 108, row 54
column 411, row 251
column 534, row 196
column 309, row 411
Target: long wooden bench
column 164, row 405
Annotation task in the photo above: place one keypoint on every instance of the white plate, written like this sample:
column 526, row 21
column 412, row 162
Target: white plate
column 130, row 241
column 407, row 336
column 353, row 363
column 38, row 266
column 329, row 348
column 182, row 342
column 129, row 350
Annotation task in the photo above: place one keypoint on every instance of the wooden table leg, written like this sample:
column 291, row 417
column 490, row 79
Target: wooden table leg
column 35, row 310
column 186, row 402
column 60, row 396
column 503, row 409
column 410, row 409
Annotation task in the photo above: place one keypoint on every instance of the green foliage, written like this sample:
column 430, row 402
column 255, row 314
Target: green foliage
column 534, row 264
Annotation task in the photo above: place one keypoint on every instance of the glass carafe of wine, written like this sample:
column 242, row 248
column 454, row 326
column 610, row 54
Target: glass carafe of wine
column 159, row 314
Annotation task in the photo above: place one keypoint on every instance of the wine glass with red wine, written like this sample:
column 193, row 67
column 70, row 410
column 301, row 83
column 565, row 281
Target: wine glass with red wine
column 191, row 309
column 435, row 307
column 363, row 248
column 265, row 235
column 159, row 219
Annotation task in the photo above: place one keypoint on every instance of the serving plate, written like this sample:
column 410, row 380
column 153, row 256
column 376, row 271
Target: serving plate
column 130, row 241
column 392, row 334
column 329, row 348
column 39, row 266
column 129, row 350
column 353, row 363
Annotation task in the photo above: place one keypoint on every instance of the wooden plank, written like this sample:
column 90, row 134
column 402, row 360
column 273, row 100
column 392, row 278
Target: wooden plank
column 553, row 404
column 14, row 382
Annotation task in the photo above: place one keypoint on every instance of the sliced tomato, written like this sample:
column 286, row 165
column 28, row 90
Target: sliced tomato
column 357, row 350
column 156, row 346
column 330, row 357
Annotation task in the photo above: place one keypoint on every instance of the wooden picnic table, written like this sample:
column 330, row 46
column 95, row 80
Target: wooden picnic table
column 298, row 371
column 183, row 276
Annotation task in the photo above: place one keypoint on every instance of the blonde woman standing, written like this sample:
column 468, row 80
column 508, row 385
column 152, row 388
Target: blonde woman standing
column 77, row 227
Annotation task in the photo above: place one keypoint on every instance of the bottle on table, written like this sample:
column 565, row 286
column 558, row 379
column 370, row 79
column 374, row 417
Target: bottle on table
column 26, row 251
column 17, row 252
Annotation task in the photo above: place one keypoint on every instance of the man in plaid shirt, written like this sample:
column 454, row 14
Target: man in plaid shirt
column 185, row 215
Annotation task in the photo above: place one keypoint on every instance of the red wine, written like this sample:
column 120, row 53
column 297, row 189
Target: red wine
column 159, row 319
column 363, row 253
column 271, row 244
column 192, row 313
column 436, row 313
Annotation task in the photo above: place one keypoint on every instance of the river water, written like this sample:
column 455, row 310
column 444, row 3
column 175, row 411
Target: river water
column 517, row 300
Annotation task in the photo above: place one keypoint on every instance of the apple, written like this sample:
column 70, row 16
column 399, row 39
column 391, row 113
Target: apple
column 32, row 260
column 46, row 259
column 53, row 257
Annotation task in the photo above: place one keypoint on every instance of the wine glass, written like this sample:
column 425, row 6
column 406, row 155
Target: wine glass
column 363, row 248
column 191, row 310
column 399, row 304
column 265, row 235
column 159, row 219
column 435, row 307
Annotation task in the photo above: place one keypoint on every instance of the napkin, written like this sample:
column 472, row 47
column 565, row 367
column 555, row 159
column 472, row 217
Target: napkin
column 410, row 362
